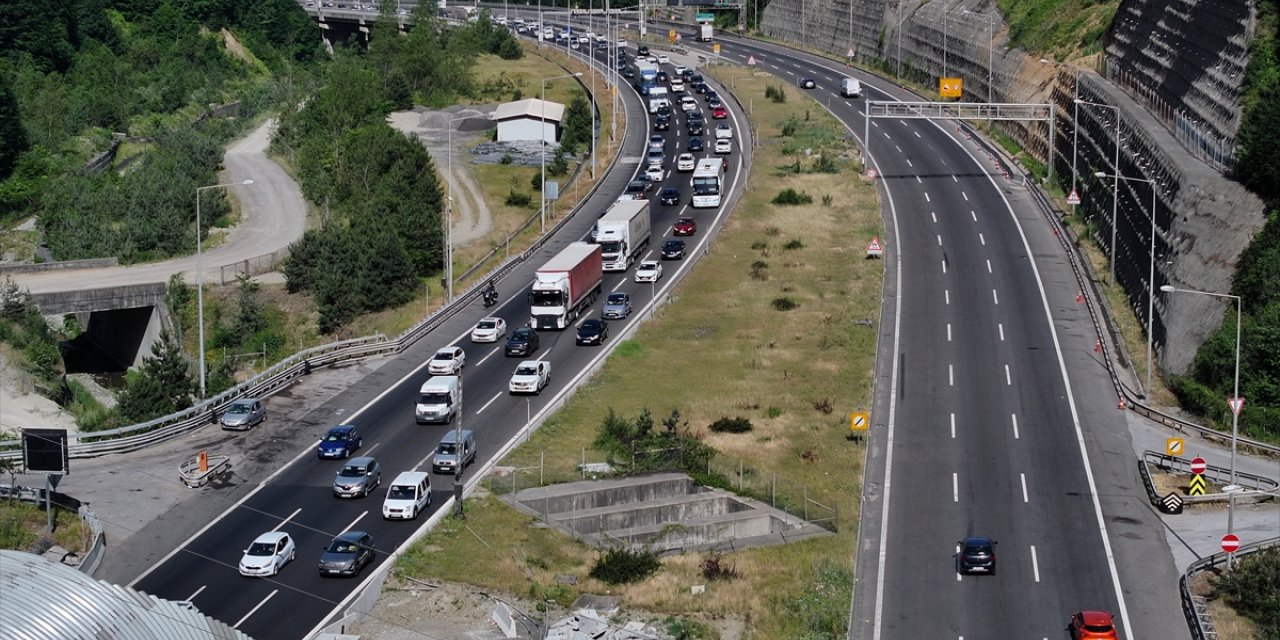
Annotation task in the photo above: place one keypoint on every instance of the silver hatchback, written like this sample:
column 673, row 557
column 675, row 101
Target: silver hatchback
column 244, row 414
column 357, row 478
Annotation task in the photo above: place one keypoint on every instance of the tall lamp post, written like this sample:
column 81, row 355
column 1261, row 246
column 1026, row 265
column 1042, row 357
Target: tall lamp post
column 1151, row 275
column 991, row 46
column 1235, row 415
column 542, row 190
column 448, row 220
column 200, row 276
column 1115, row 166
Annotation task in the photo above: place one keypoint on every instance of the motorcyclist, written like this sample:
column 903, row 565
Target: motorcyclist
column 490, row 293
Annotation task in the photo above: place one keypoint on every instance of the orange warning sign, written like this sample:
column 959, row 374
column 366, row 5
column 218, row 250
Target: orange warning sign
column 950, row 87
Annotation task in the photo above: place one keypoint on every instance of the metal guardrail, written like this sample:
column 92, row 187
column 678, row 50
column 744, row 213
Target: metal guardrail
column 1194, row 606
column 97, row 548
column 1219, row 475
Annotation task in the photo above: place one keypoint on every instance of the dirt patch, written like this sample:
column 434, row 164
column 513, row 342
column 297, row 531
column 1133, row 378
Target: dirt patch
column 234, row 47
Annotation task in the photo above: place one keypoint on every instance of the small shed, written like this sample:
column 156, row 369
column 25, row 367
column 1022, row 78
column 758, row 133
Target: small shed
column 530, row 119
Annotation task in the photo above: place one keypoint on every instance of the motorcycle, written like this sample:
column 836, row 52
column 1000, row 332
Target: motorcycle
column 490, row 297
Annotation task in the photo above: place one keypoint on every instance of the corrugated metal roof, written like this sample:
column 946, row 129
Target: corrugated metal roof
column 44, row 600
column 529, row 108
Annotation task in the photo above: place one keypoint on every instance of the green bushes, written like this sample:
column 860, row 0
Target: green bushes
column 776, row 94
column 624, row 566
column 731, row 425
column 637, row 446
column 1252, row 588
column 791, row 197
column 518, row 199
column 784, row 303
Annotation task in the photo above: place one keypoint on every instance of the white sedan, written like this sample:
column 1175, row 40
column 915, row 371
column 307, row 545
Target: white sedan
column 447, row 362
column 530, row 376
column 267, row 554
column 724, row 131
column 490, row 329
column 649, row 271
column 663, row 59
column 724, row 145
column 686, row 162
column 655, row 173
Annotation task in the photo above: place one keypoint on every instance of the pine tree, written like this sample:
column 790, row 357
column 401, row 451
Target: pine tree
column 164, row 384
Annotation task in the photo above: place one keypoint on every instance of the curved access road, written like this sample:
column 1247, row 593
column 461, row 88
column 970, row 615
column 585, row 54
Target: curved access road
column 272, row 216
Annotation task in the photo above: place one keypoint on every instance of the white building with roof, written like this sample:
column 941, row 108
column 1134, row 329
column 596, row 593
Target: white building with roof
column 44, row 600
column 530, row 119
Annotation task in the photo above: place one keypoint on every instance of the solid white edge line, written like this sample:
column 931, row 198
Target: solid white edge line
column 1071, row 399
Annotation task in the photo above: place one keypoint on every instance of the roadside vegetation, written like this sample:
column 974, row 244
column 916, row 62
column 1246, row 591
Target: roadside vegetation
column 662, row 401
column 1252, row 591
column 1065, row 28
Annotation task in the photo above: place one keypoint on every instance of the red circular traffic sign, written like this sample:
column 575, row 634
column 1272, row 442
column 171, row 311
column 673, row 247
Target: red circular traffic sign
column 1198, row 465
column 1230, row 543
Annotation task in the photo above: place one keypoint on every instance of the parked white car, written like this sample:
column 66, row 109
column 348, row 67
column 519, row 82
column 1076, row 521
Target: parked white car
column 447, row 362
column 490, row 329
column 530, row 376
column 686, row 162
column 649, row 271
column 267, row 554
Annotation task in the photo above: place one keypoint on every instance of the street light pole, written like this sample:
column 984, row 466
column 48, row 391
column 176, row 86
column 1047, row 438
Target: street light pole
column 991, row 47
column 1151, row 279
column 200, row 277
column 1115, row 197
column 1075, row 131
column 1235, row 394
column 542, row 190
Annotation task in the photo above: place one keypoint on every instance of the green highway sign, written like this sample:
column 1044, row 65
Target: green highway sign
column 705, row 17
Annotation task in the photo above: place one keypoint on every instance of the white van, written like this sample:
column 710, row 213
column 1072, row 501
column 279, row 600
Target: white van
column 850, row 88
column 408, row 494
column 438, row 400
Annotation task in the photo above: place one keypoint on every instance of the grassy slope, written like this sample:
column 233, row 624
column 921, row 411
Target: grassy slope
column 720, row 348
column 1064, row 28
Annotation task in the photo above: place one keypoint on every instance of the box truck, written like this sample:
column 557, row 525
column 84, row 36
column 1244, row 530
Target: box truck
column 623, row 234
column 565, row 286
column 704, row 33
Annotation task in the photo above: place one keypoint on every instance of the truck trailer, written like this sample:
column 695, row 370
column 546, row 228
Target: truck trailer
column 704, row 32
column 623, row 233
column 566, row 285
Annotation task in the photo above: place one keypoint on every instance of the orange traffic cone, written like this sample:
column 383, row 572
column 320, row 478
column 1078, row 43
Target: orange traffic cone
column 1079, row 296
column 1097, row 346
column 1121, row 407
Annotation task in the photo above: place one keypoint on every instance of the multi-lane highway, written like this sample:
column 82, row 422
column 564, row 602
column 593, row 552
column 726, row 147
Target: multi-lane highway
column 298, row 499
column 992, row 419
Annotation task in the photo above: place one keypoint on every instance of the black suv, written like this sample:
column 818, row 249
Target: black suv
column 695, row 127
column 522, row 342
column 642, row 50
column 673, row 249
column 661, row 123
column 669, row 196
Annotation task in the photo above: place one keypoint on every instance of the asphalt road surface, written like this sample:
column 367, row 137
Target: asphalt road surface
column 298, row 499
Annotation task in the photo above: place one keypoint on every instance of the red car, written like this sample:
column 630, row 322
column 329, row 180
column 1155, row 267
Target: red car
column 720, row 113
column 1092, row 625
column 684, row 227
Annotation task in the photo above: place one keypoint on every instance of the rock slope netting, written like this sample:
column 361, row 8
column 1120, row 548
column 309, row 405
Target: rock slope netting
column 1171, row 73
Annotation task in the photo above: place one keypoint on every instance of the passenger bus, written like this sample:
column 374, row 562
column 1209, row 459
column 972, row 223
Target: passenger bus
column 708, row 179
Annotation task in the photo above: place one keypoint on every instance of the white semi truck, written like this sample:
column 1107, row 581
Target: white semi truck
column 565, row 285
column 623, row 233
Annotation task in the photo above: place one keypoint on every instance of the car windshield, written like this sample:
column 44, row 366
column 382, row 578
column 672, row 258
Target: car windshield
column 617, row 298
column 433, row 398
column 527, row 371
column 443, row 355
column 238, row 408
column 446, row 449
column 336, row 436
column 351, row 471
column 342, row 546
column 487, row 324
column 591, row 325
column 648, row 267
column 262, row 549
column 400, row 492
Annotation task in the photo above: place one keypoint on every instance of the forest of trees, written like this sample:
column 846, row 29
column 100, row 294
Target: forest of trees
column 379, row 188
